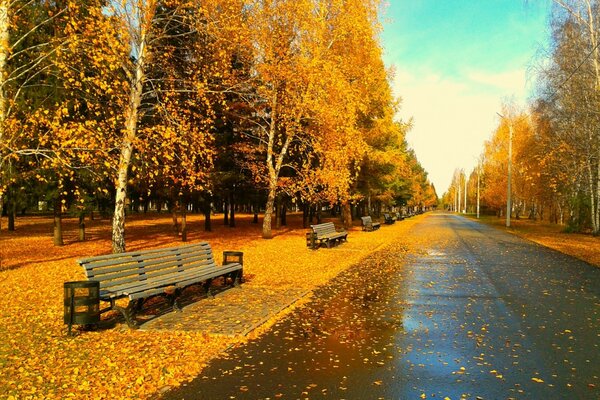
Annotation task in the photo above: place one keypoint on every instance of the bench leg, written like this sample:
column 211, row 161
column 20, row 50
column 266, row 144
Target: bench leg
column 238, row 278
column 172, row 298
column 129, row 312
column 208, row 289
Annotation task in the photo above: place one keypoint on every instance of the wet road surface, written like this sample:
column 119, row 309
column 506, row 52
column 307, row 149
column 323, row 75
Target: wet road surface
column 456, row 310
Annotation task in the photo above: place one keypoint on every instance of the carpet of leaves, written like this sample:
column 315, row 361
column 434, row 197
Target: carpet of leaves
column 38, row 359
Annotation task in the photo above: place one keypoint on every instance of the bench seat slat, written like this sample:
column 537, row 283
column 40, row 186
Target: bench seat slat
column 143, row 269
column 138, row 289
column 145, row 253
column 152, row 275
column 118, row 259
column 152, row 290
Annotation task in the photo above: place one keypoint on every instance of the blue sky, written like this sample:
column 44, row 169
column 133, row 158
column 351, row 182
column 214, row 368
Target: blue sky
column 455, row 63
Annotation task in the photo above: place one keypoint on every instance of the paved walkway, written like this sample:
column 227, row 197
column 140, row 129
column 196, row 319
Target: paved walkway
column 233, row 312
column 475, row 313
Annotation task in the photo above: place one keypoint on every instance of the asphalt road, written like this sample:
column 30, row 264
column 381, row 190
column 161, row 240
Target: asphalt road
column 455, row 310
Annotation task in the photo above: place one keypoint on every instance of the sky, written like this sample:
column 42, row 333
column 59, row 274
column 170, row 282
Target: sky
column 455, row 63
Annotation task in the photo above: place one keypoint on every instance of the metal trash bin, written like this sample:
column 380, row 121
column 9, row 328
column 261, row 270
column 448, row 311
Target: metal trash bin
column 310, row 240
column 82, row 303
column 230, row 257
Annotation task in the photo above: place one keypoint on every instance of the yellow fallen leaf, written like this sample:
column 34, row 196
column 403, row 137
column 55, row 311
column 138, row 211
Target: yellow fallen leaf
column 538, row 380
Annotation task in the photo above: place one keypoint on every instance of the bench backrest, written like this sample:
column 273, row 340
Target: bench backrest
column 323, row 229
column 367, row 221
column 114, row 270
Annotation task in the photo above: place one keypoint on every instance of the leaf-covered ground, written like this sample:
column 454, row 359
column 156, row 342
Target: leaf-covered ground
column 38, row 359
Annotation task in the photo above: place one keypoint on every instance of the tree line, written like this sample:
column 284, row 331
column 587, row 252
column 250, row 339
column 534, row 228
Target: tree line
column 555, row 142
column 115, row 104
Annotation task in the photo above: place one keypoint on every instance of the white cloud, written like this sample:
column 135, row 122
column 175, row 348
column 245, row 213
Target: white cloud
column 511, row 82
column 453, row 116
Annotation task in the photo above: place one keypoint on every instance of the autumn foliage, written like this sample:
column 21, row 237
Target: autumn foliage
column 118, row 105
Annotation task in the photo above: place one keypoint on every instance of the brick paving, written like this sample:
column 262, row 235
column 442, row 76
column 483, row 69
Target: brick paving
column 232, row 312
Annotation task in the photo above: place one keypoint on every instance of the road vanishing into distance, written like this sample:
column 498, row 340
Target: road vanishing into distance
column 455, row 310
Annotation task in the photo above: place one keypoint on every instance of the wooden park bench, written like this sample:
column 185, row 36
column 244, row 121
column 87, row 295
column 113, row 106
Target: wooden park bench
column 327, row 234
column 399, row 217
column 388, row 219
column 368, row 225
column 140, row 275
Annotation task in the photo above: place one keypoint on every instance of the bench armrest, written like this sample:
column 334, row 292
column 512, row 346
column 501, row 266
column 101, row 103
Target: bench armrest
column 230, row 257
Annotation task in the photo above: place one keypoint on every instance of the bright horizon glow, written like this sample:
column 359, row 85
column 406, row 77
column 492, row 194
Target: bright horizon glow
column 456, row 62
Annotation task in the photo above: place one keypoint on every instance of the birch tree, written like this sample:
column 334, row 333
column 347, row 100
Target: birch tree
column 135, row 50
column 578, row 27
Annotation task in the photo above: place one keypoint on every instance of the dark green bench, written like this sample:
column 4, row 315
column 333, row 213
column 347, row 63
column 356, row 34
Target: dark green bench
column 326, row 234
column 140, row 275
column 368, row 225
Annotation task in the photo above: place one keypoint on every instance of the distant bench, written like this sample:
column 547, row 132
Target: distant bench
column 368, row 225
column 139, row 275
column 327, row 234
column 389, row 220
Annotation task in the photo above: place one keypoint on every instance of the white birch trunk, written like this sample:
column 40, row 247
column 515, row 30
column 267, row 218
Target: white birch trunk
column 597, row 216
column 274, row 167
column 129, row 135
column 4, row 54
column 266, row 228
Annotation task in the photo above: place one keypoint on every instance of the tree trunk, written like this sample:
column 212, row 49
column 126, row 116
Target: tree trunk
column 129, row 137
column 284, row 213
column 82, row 227
column 175, row 225
column 318, row 212
column 593, row 200
column 278, row 213
column 597, row 224
column 347, row 215
column 12, row 214
column 266, row 229
column 305, row 207
column 225, row 212
column 207, row 210
column 58, row 237
column 4, row 54
column 183, row 222
column 231, row 210
column 273, row 166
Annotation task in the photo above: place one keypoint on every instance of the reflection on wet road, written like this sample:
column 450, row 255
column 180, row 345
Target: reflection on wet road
column 469, row 312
